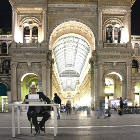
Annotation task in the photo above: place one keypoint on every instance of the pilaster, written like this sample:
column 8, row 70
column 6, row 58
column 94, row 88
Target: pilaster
column 123, row 90
column 44, row 80
column 14, row 23
column 44, row 24
column 100, row 79
column 92, row 82
column 100, row 34
column 129, row 80
column 48, row 78
column 13, row 82
column 95, row 82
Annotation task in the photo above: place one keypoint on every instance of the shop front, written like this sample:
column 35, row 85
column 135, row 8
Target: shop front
column 3, row 98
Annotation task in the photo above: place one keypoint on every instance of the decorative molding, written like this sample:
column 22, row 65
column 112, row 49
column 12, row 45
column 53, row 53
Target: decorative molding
column 29, row 1
column 36, row 66
column 119, row 3
column 73, row 5
column 70, row 1
column 22, row 66
column 114, row 65
column 70, row 12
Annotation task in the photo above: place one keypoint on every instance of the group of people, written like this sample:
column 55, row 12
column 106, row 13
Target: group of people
column 34, row 111
column 101, row 108
column 121, row 107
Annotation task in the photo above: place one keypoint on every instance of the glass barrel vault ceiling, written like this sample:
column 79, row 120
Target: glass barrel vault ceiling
column 70, row 53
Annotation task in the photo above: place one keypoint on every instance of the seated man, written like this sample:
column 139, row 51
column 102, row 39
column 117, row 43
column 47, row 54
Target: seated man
column 33, row 111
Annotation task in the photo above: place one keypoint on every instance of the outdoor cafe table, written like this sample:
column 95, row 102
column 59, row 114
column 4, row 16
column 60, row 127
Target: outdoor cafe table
column 18, row 107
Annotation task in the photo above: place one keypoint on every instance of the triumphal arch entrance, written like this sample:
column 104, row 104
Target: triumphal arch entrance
column 80, row 49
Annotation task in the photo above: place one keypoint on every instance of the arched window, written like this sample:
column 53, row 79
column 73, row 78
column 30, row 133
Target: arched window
column 6, row 67
column 35, row 34
column 26, row 34
column 116, row 35
column 112, row 34
column 109, row 34
column 134, row 66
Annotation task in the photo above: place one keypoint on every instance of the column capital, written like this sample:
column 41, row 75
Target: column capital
column 44, row 10
column 100, row 64
column 48, row 64
column 129, row 64
column 128, row 12
column 14, row 9
column 43, row 64
column 100, row 10
column 13, row 64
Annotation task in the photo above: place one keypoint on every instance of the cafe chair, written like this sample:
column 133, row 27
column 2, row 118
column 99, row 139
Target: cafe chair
column 38, row 120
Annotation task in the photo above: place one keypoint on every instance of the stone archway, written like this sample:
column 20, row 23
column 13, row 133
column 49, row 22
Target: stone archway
column 28, row 79
column 119, row 90
column 80, row 27
column 28, row 82
column 136, row 92
column 75, row 28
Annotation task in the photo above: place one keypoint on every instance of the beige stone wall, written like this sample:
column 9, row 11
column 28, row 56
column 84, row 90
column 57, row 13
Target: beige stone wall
column 84, row 91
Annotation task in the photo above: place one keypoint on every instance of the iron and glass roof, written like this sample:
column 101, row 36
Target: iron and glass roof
column 70, row 53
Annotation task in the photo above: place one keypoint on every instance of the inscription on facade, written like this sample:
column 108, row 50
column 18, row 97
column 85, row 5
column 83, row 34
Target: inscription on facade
column 73, row 5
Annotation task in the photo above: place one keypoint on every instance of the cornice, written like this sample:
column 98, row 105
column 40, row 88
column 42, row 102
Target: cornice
column 16, row 2
column 115, row 51
column 72, row 1
column 67, row 1
column 114, row 3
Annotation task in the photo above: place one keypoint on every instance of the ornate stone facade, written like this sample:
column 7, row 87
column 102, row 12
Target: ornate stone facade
column 105, row 26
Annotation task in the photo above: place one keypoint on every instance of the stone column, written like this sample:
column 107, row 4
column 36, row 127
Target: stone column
column 48, row 79
column 100, row 25
column 9, row 101
column 129, row 24
column 122, row 35
column 92, row 83
column 30, row 34
column 14, row 18
column 44, row 25
column 19, row 91
column 7, row 46
column 115, row 94
column 100, row 32
column 104, row 35
column 100, row 79
column 133, row 95
column 44, row 80
column 51, row 72
column 13, row 82
column 39, row 34
column 95, row 82
column 21, row 34
column 123, row 86
column 129, row 80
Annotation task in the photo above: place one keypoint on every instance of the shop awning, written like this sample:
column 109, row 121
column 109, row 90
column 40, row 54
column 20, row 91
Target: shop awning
column 3, row 90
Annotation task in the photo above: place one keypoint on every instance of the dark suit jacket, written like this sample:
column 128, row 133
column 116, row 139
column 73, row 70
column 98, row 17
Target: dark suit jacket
column 45, row 108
